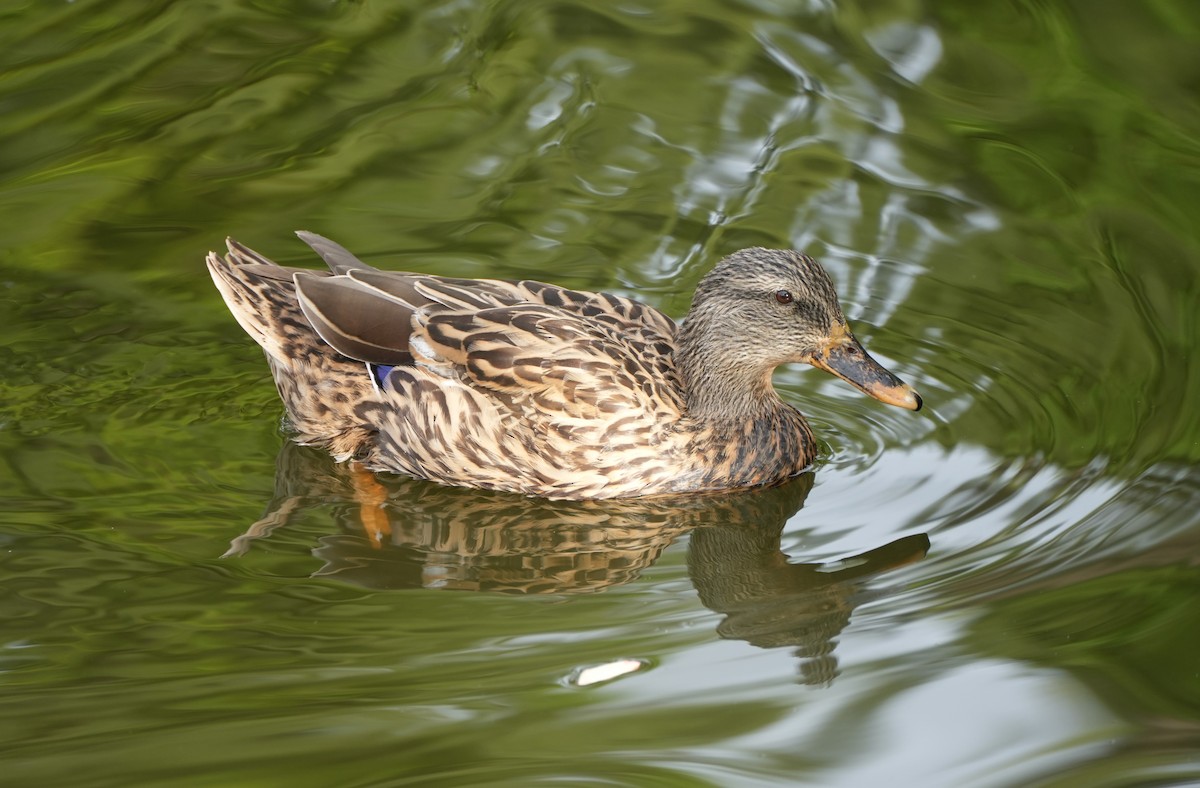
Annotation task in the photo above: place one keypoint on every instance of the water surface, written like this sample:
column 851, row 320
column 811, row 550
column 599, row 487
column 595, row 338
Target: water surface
column 1001, row 590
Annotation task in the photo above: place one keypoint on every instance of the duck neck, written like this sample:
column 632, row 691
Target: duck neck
column 720, row 387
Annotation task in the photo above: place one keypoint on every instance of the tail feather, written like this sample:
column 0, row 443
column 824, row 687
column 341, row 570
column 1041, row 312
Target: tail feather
column 261, row 294
column 262, row 297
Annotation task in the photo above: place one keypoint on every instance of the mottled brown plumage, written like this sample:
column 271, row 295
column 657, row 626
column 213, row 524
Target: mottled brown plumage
column 542, row 390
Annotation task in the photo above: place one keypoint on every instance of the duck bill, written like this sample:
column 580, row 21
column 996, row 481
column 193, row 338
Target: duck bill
column 846, row 358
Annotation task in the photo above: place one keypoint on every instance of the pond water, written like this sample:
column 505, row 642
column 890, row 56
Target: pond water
column 1000, row 590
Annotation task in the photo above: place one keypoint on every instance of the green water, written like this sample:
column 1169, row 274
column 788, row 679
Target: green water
column 1007, row 197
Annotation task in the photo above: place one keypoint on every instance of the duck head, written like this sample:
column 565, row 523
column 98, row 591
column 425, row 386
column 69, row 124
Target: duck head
column 758, row 309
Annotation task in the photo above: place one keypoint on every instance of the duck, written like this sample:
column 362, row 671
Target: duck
column 543, row 390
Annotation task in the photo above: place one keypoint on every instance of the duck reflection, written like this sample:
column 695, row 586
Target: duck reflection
column 402, row 533
column 768, row 602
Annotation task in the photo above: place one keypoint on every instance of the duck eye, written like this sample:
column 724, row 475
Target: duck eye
column 783, row 296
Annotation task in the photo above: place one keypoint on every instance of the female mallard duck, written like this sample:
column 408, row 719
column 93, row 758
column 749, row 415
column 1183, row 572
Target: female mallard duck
column 541, row 390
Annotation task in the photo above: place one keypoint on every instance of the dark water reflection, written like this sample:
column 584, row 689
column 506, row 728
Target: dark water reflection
column 399, row 533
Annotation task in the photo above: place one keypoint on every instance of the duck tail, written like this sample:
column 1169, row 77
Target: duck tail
column 261, row 294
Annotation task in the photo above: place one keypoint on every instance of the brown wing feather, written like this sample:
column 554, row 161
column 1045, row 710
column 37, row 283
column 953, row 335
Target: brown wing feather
column 337, row 257
column 355, row 319
column 579, row 347
column 557, row 364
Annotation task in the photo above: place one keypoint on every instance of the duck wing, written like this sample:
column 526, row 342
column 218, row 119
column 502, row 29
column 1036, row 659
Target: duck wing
column 558, row 351
column 546, row 360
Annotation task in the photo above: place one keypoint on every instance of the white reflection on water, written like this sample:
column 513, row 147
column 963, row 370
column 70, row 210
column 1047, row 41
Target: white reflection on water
column 912, row 49
column 986, row 514
column 982, row 723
